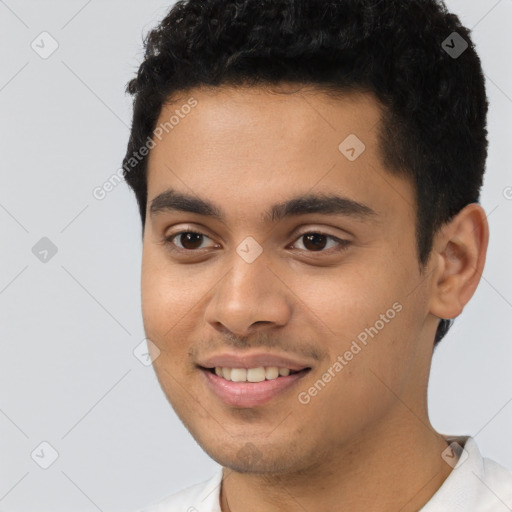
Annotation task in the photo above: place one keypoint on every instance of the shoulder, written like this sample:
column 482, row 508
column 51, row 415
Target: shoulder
column 490, row 476
column 200, row 497
column 476, row 483
column 498, row 480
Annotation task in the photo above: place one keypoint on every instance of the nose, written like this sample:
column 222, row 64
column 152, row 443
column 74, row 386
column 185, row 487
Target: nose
column 250, row 296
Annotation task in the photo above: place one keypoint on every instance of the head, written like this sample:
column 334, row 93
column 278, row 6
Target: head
column 348, row 118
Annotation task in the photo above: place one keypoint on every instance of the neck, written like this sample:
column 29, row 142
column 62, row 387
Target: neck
column 384, row 472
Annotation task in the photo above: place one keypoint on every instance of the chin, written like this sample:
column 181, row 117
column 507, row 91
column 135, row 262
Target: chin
column 244, row 456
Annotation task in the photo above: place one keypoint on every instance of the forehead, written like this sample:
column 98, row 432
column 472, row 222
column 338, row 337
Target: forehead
column 247, row 147
column 226, row 114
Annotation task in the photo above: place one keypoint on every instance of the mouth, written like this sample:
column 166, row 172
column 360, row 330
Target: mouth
column 253, row 375
column 251, row 387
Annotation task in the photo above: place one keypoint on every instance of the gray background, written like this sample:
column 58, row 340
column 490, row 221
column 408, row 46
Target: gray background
column 69, row 326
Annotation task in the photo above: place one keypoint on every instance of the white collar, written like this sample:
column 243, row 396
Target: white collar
column 475, row 484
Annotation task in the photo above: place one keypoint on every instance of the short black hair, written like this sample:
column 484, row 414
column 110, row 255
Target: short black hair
column 428, row 81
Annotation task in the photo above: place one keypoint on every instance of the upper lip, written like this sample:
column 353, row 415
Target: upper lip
column 254, row 360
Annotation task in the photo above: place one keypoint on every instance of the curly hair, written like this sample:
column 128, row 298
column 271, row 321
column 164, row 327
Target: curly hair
column 433, row 130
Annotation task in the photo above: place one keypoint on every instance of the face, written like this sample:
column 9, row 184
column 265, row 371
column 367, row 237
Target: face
column 275, row 240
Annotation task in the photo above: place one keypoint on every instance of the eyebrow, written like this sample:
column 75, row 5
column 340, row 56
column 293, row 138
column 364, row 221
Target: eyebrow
column 172, row 200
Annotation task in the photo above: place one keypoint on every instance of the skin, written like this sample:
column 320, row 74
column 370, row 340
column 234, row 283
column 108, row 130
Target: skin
column 366, row 434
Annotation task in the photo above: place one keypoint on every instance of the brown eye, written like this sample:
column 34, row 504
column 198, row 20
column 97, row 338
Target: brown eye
column 191, row 240
column 321, row 242
column 187, row 240
column 314, row 241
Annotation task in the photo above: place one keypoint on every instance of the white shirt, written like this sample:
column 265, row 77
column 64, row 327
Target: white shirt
column 476, row 484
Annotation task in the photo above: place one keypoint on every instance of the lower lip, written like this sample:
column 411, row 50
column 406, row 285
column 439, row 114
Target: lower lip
column 250, row 394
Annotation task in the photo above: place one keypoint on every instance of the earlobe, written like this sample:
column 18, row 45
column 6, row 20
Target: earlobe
column 458, row 261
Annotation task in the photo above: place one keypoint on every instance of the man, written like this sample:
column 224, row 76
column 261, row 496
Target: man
column 310, row 228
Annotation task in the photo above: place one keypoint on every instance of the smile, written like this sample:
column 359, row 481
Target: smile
column 258, row 374
column 250, row 387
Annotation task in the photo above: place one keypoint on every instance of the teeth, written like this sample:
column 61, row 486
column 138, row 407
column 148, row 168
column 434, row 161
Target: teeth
column 256, row 374
column 272, row 372
column 251, row 374
column 238, row 374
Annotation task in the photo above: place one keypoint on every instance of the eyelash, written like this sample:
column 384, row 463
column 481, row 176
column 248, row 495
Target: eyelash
column 342, row 244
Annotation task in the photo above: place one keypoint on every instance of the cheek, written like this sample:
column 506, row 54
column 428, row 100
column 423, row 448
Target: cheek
column 168, row 291
column 164, row 303
column 368, row 317
column 346, row 299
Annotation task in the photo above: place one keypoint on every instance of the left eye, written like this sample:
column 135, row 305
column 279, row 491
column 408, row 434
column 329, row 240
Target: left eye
column 315, row 242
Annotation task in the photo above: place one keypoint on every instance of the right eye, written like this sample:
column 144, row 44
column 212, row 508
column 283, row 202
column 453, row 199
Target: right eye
column 186, row 241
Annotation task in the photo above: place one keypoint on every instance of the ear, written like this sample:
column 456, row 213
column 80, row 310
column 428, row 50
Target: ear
column 458, row 259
